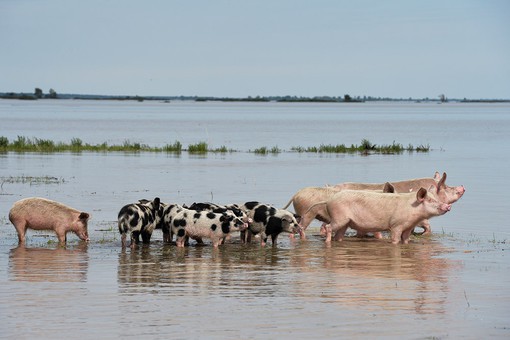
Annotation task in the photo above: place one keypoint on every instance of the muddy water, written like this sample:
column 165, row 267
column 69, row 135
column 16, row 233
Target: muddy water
column 453, row 284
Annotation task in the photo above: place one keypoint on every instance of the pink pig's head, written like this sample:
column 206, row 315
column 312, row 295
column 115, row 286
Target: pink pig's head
column 80, row 226
column 446, row 193
column 431, row 203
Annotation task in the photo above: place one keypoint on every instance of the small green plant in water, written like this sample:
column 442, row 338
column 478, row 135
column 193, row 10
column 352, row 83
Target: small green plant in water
column 261, row 151
column 198, row 148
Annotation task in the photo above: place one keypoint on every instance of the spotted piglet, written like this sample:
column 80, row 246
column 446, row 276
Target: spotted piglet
column 268, row 221
column 203, row 224
column 139, row 219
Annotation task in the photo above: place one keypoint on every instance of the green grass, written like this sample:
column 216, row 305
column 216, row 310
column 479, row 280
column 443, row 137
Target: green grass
column 366, row 147
column 199, row 148
column 265, row 150
column 25, row 144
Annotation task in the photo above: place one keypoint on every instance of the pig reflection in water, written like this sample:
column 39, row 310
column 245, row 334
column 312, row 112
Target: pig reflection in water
column 193, row 271
column 369, row 274
column 412, row 279
column 49, row 265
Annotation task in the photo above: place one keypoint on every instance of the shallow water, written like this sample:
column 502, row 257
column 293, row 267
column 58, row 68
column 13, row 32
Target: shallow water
column 453, row 284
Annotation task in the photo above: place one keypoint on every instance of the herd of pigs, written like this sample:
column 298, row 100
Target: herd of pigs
column 397, row 207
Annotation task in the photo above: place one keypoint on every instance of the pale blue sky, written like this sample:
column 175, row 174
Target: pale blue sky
column 247, row 48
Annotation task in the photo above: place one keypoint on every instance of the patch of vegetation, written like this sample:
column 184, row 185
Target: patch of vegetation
column 25, row 144
column 422, row 148
column 264, row 150
column 32, row 180
column 366, row 147
column 175, row 147
column 200, row 148
column 261, row 151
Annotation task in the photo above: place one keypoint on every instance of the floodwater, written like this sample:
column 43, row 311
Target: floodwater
column 453, row 284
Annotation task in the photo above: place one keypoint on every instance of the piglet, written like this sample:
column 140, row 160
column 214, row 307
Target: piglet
column 43, row 214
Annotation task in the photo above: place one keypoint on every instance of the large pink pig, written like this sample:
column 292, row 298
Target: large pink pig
column 367, row 211
column 444, row 192
column 43, row 214
column 306, row 197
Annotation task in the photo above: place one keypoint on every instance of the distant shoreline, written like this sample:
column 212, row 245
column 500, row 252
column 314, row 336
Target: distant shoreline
column 279, row 99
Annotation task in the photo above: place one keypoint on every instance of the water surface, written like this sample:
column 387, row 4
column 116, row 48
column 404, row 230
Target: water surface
column 453, row 284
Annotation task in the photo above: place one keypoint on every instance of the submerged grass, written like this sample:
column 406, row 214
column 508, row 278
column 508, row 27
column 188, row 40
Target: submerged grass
column 31, row 180
column 25, row 144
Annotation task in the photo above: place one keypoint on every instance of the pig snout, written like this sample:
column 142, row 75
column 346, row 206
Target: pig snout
column 445, row 207
column 461, row 190
column 84, row 236
column 296, row 229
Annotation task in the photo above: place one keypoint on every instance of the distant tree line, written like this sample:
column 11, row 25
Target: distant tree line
column 52, row 94
column 38, row 94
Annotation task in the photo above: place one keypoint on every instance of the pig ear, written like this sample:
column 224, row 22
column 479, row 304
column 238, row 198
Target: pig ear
column 421, row 194
column 442, row 181
column 287, row 218
column 156, row 203
column 437, row 176
column 84, row 216
column 388, row 187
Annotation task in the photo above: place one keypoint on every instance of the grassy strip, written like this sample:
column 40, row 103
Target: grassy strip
column 24, row 144
column 365, row 148
column 32, row 180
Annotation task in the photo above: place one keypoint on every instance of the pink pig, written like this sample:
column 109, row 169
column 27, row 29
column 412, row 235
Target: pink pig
column 43, row 214
column 306, row 197
column 367, row 211
column 444, row 192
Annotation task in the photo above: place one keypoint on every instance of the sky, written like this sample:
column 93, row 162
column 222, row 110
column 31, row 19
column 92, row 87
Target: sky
column 240, row 48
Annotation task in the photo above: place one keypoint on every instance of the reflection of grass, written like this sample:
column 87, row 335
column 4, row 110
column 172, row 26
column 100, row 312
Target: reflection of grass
column 24, row 144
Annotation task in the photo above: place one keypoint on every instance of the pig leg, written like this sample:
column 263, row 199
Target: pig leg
column 406, row 236
column 21, row 228
column 180, row 237
column 146, row 237
column 340, row 226
column 396, row 235
column 179, row 242
column 327, row 230
column 303, row 224
column 123, row 240
column 322, row 231
column 340, row 233
column 62, row 235
column 216, row 242
column 426, row 227
column 166, row 237
column 273, row 239
column 263, row 239
column 248, row 236
column 135, row 239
